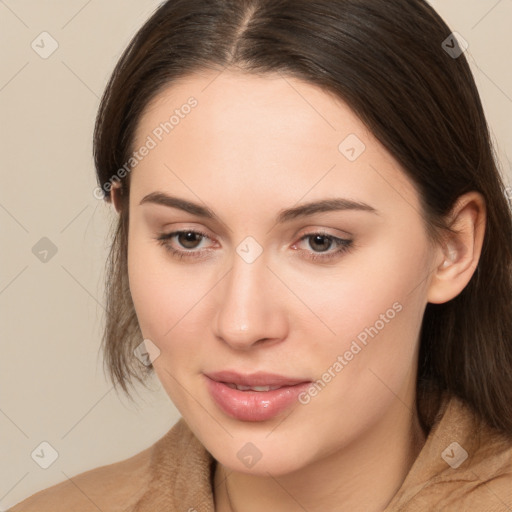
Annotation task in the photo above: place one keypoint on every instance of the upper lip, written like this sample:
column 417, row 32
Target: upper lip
column 254, row 379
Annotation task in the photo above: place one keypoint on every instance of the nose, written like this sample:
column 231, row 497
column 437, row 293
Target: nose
column 251, row 308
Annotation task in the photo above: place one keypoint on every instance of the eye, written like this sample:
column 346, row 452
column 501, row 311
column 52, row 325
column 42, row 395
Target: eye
column 188, row 239
column 323, row 242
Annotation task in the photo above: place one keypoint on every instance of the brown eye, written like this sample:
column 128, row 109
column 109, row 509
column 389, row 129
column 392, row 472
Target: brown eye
column 184, row 244
column 189, row 239
column 320, row 243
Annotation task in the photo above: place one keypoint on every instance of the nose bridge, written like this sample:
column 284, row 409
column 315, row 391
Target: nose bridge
column 248, row 307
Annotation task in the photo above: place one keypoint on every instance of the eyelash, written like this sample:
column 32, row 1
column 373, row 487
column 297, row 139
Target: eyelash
column 342, row 244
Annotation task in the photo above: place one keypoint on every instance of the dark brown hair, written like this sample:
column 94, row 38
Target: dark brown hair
column 386, row 60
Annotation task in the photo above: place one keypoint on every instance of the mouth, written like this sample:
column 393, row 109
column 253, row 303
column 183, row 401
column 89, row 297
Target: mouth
column 251, row 388
column 254, row 397
column 260, row 381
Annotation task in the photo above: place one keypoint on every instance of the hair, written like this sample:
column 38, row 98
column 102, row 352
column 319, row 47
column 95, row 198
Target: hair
column 386, row 61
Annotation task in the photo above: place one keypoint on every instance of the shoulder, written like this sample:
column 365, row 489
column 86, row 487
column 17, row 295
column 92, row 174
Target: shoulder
column 486, row 476
column 464, row 465
column 158, row 474
column 470, row 492
column 112, row 487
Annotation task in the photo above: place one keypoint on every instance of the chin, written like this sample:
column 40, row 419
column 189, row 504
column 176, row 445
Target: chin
column 275, row 465
column 260, row 454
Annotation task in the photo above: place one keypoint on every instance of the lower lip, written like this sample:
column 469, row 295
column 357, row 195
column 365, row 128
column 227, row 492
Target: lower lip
column 254, row 405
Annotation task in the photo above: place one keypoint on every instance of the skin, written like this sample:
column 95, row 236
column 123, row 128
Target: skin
column 253, row 146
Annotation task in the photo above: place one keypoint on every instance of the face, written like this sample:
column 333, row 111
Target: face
column 327, row 299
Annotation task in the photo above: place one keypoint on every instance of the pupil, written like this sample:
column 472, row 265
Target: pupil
column 316, row 238
column 187, row 239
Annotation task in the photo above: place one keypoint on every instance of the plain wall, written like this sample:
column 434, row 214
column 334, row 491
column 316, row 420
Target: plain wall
column 52, row 386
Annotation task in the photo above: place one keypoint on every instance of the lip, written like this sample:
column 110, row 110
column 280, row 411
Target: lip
column 254, row 379
column 254, row 405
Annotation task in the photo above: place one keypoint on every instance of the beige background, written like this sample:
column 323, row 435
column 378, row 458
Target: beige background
column 52, row 386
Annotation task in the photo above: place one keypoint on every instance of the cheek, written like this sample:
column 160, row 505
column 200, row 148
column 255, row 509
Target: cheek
column 374, row 304
column 376, row 313
column 164, row 301
column 147, row 288
column 168, row 299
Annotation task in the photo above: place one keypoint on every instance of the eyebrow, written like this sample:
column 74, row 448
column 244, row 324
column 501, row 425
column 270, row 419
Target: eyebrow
column 303, row 210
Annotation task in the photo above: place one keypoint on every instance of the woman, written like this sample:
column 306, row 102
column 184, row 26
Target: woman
column 313, row 253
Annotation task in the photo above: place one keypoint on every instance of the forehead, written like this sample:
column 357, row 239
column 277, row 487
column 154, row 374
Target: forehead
column 254, row 133
column 270, row 109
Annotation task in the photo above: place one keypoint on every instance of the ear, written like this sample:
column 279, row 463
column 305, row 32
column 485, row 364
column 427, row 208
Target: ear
column 457, row 258
column 115, row 195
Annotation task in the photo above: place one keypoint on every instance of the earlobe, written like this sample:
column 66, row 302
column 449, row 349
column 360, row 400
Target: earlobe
column 458, row 256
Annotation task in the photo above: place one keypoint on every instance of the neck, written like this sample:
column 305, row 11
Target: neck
column 379, row 460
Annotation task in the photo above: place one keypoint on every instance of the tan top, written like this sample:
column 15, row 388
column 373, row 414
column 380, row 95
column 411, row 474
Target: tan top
column 176, row 473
